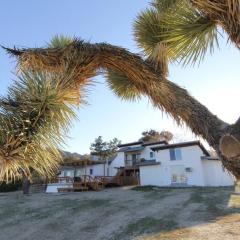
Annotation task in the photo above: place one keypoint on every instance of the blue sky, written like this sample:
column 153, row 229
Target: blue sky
column 28, row 23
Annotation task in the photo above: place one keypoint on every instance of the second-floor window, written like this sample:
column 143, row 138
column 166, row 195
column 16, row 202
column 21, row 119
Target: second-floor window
column 151, row 154
column 91, row 171
column 175, row 154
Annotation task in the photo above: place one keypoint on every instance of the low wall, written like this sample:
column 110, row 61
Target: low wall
column 53, row 187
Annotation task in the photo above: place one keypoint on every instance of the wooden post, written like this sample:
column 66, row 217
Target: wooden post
column 107, row 166
column 134, row 176
column 74, row 174
column 25, row 183
column 85, row 167
column 124, row 176
column 85, row 171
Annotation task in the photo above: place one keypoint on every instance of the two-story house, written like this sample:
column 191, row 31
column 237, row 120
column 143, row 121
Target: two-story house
column 160, row 164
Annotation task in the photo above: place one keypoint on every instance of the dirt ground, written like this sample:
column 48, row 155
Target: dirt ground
column 121, row 213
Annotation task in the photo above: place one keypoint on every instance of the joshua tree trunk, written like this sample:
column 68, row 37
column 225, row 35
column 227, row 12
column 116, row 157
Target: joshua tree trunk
column 88, row 58
column 25, row 184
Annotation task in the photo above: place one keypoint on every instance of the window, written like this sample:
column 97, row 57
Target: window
column 175, row 154
column 91, row 171
column 151, row 154
column 67, row 173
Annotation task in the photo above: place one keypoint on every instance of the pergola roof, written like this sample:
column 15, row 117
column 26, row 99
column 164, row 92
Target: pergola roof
column 82, row 163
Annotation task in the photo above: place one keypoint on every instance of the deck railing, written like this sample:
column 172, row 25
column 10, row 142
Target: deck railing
column 98, row 182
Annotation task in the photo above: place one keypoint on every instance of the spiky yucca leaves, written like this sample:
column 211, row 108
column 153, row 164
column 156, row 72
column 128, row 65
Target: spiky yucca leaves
column 174, row 31
column 34, row 119
column 226, row 13
column 188, row 34
column 146, row 31
column 122, row 86
column 60, row 41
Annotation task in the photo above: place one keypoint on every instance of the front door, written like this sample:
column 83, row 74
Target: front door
column 178, row 175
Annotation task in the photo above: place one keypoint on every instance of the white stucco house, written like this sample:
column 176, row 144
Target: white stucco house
column 184, row 164
column 159, row 164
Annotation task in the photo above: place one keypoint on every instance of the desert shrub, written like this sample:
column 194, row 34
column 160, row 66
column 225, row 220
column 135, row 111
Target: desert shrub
column 10, row 187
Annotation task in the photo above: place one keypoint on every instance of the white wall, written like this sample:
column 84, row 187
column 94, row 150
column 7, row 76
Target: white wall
column 98, row 170
column 161, row 175
column 53, row 187
column 146, row 152
column 116, row 163
column 67, row 172
column 215, row 174
column 156, row 175
column 204, row 172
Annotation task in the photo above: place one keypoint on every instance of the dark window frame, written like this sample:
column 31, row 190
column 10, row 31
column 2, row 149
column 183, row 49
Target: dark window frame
column 173, row 154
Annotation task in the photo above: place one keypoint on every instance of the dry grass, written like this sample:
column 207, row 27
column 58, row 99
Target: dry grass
column 121, row 214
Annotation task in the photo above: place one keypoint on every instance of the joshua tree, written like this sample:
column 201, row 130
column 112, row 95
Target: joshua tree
column 184, row 30
column 171, row 30
column 34, row 119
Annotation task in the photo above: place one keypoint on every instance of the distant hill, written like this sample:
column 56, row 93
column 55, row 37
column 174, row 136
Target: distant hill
column 70, row 157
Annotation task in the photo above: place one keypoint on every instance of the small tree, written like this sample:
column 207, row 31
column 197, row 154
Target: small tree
column 112, row 146
column 99, row 147
column 104, row 149
column 153, row 136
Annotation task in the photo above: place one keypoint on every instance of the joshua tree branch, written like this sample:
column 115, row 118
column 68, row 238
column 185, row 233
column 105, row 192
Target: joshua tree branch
column 88, row 58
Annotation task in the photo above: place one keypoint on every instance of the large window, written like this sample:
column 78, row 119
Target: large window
column 175, row 154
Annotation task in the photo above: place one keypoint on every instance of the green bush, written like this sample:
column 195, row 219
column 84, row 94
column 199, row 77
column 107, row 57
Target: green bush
column 10, row 187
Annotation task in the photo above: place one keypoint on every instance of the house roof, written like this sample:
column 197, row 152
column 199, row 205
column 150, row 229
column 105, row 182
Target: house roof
column 130, row 144
column 210, row 158
column 85, row 162
column 154, row 143
column 183, row 144
column 142, row 143
column 131, row 149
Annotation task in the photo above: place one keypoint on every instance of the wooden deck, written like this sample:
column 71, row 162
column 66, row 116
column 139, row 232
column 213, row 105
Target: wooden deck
column 96, row 183
column 82, row 183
